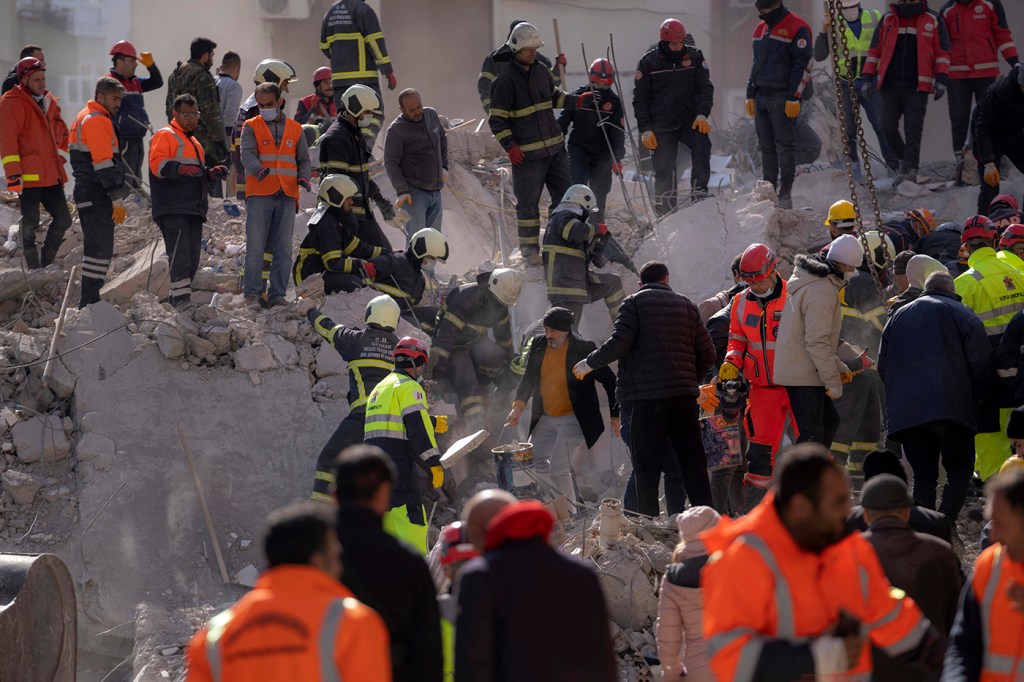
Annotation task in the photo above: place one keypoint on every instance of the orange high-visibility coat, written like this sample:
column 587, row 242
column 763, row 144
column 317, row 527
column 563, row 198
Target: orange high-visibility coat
column 284, row 169
column 31, row 140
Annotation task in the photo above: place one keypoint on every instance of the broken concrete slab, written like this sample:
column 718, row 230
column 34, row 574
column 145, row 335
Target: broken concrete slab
column 220, row 337
column 252, row 357
column 149, row 272
column 329, row 362
column 15, row 282
column 94, row 445
column 96, row 358
column 171, row 341
column 41, row 439
column 28, row 348
column 21, row 486
column 284, row 351
column 61, row 381
column 247, row 576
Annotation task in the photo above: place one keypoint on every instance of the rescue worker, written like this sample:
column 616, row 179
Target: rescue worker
column 132, row 120
column 1003, row 218
column 1011, row 246
column 319, row 108
column 978, row 34
column 989, row 625
column 331, row 246
column 194, row 77
column 908, row 60
column 178, row 182
column 342, row 150
column 11, row 80
column 491, row 68
column 521, row 119
column 811, row 600
column 397, row 421
column 350, row 36
column 1001, row 202
column 998, row 132
column 99, row 183
column 369, row 354
column 994, row 290
column 466, row 357
column 942, row 243
column 905, row 233
column 267, row 71
column 672, row 100
column 401, row 274
column 298, row 622
column 570, row 282
column 753, row 330
column 842, row 219
column 33, row 144
column 456, row 550
column 859, row 25
column 782, row 53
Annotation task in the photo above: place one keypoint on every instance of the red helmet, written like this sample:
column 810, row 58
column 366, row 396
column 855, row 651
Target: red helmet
column 125, row 48
column 1007, row 200
column 455, row 545
column 757, row 263
column 1012, row 235
column 602, row 72
column 673, row 31
column 27, row 66
column 978, row 227
column 410, row 351
column 922, row 220
column 322, row 74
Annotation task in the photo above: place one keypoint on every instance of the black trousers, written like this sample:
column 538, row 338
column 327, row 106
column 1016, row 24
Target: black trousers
column 816, row 417
column 183, row 236
column 666, row 172
column 924, row 446
column 656, row 424
column 1011, row 148
column 349, row 432
column 963, row 94
column 594, row 171
column 97, row 215
column 776, row 138
column 56, row 204
column 911, row 106
column 528, row 181
column 132, row 153
column 470, row 369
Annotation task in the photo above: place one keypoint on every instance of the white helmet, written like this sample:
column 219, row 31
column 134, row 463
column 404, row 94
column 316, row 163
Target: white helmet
column 359, row 99
column 524, row 35
column 382, row 311
column 878, row 245
column 582, row 195
column 335, row 188
column 429, row 242
column 505, row 284
column 274, row 71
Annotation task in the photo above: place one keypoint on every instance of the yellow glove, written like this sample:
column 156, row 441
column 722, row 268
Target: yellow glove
column 701, row 125
column 728, row 372
column 992, row 178
column 751, row 108
column 792, row 109
column 846, row 377
column 441, row 424
column 146, row 58
column 708, row 398
column 649, row 141
column 437, row 476
column 119, row 214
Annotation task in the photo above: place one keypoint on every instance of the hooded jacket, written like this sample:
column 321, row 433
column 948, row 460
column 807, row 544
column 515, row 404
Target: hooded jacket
column 942, row 243
column 680, row 626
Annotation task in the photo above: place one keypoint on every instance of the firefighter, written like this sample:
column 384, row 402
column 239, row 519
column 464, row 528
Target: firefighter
column 998, row 132
column 331, row 245
column 132, row 120
column 397, row 421
column 401, row 274
column 319, row 109
column 782, row 53
column 908, row 60
column 521, row 119
column 369, row 353
column 351, row 38
column 570, row 282
column 672, row 99
column 342, row 151
column 490, row 69
column 597, row 141
column 99, row 183
column 267, row 71
column 788, row 595
column 906, row 231
column 179, row 183
column 465, row 356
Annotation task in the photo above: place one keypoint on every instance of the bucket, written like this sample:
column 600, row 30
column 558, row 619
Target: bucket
column 512, row 459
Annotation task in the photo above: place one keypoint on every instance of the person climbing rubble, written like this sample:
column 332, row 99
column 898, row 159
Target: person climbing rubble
column 566, row 415
column 132, row 121
column 566, row 251
column 319, row 108
column 369, row 354
column 672, row 99
column 490, row 69
column 998, row 132
column 466, row 359
column 331, row 246
column 400, row 274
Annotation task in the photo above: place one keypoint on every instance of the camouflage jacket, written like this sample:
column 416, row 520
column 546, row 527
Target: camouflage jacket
column 195, row 79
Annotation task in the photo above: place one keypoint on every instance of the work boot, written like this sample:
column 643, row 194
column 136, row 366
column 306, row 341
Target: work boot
column 48, row 255
column 252, row 302
column 785, row 193
column 531, row 254
column 31, row 254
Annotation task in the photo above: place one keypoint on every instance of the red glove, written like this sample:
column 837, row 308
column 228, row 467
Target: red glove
column 585, row 98
column 617, row 167
column 370, row 269
column 187, row 171
column 392, row 81
column 560, row 59
column 304, row 184
column 515, row 155
column 602, row 229
column 218, row 172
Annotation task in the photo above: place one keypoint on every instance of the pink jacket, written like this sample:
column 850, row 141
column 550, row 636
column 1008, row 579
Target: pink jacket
column 679, row 630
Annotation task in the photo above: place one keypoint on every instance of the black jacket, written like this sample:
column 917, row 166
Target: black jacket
column 10, row 80
column 1010, row 359
column 999, row 117
column 400, row 275
column 393, row 580
column 343, row 150
column 468, row 313
column 942, row 245
column 718, row 328
column 490, row 69
column 922, row 520
column 906, row 296
column 331, row 245
column 662, row 347
column 592, row 122
column 582, row 394
column 669, row 95
column 363, row 349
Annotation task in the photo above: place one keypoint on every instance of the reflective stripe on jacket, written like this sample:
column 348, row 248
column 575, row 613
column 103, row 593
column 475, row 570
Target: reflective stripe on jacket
column 280, row 159
column 95, row 156
column 368, row 352
column 782, row 54
column 169, row 149
column 1002, row 627
column 32, row 138
column 350, row 36
column 331, row 245
column 993, row 289
column 932, row 48
column 521, row 114
column 753, row 333
column 565, row 256
column 860, row 45
column 978, row 34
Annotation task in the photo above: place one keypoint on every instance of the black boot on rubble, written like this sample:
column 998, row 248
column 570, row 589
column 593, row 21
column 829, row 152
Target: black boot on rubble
column 785, row 193
column 31, row 254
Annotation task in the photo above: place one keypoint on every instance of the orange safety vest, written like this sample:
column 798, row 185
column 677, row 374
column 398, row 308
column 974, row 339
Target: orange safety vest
column 1002, row 627
column 284, row 170
column 753, row 332
column 92, row 133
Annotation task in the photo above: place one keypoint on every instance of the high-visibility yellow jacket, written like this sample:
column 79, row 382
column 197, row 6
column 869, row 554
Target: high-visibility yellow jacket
column 993, row 289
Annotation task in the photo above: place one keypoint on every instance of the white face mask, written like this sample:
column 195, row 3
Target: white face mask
column 365, row 121
column 270, row 114
column 429, row 263
column 851, row 13
column 848, row 276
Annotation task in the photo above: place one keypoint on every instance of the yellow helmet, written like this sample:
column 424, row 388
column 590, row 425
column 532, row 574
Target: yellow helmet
column 841, row 212
column 1011, row 464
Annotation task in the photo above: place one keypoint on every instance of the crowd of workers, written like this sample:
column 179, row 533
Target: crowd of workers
column 904, row 337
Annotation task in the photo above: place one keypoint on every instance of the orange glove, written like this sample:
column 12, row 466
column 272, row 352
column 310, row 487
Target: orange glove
column 992, row 178
column 751, row 108
column 649, row 141
column 701, row 125
column 792, row 109
column 146, row 58
column 708, row 398
column 119, row 213
column 403, row 199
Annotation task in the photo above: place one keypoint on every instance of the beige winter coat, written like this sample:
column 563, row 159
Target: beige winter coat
column 806, row 351
column 680, row 630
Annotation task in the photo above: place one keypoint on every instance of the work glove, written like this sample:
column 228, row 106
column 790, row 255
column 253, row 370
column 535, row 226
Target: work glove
column 387, row 211
column 218, row 172
column 866, row 86
column 392, row 81
column 146, row 58
column 708, row 398
column 304, row 184
column 403, row 199
column 617, row 168
column 940, row 90
column 701, row 125
column 14, row 184
column 728, row 372
column 263, row 173
column 188, row 171
column 305, row 307
column 560, row 59
column 514, row 415
column 437, row 476
column 370, row 269
column 441, row 423
column 581, row 370
column 648, row 140
column 119, row 212
column 992, row 178
column 602, row 229
column 835, row 392
column 792, row 108
column 830, row 657
column 515, row 155
column 846, row 377
column 586, row 98
column 751, row 108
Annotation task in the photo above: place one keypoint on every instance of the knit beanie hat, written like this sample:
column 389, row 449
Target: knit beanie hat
column 919, row 267
column 899, row 264
column 692, row 523
column 847, row 250
column 559, row 319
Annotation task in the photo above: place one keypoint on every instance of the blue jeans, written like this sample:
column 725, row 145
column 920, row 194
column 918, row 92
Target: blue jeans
column 425, row 211
column 873, row 110
column 269, row 222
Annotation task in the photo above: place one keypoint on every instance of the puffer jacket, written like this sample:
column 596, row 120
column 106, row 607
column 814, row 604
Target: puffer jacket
column 808, row 339
column 680, row 626
column 662, row 347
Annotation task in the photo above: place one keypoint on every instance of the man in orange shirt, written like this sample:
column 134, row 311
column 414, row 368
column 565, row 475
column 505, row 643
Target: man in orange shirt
column 298, row 622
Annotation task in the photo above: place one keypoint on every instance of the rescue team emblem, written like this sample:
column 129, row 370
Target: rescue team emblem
column 417, row 395
column 783, row 32
column 801, row 43
column 929, row 26
column 979, row 9
column 607, row 106
column 1010, row 286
